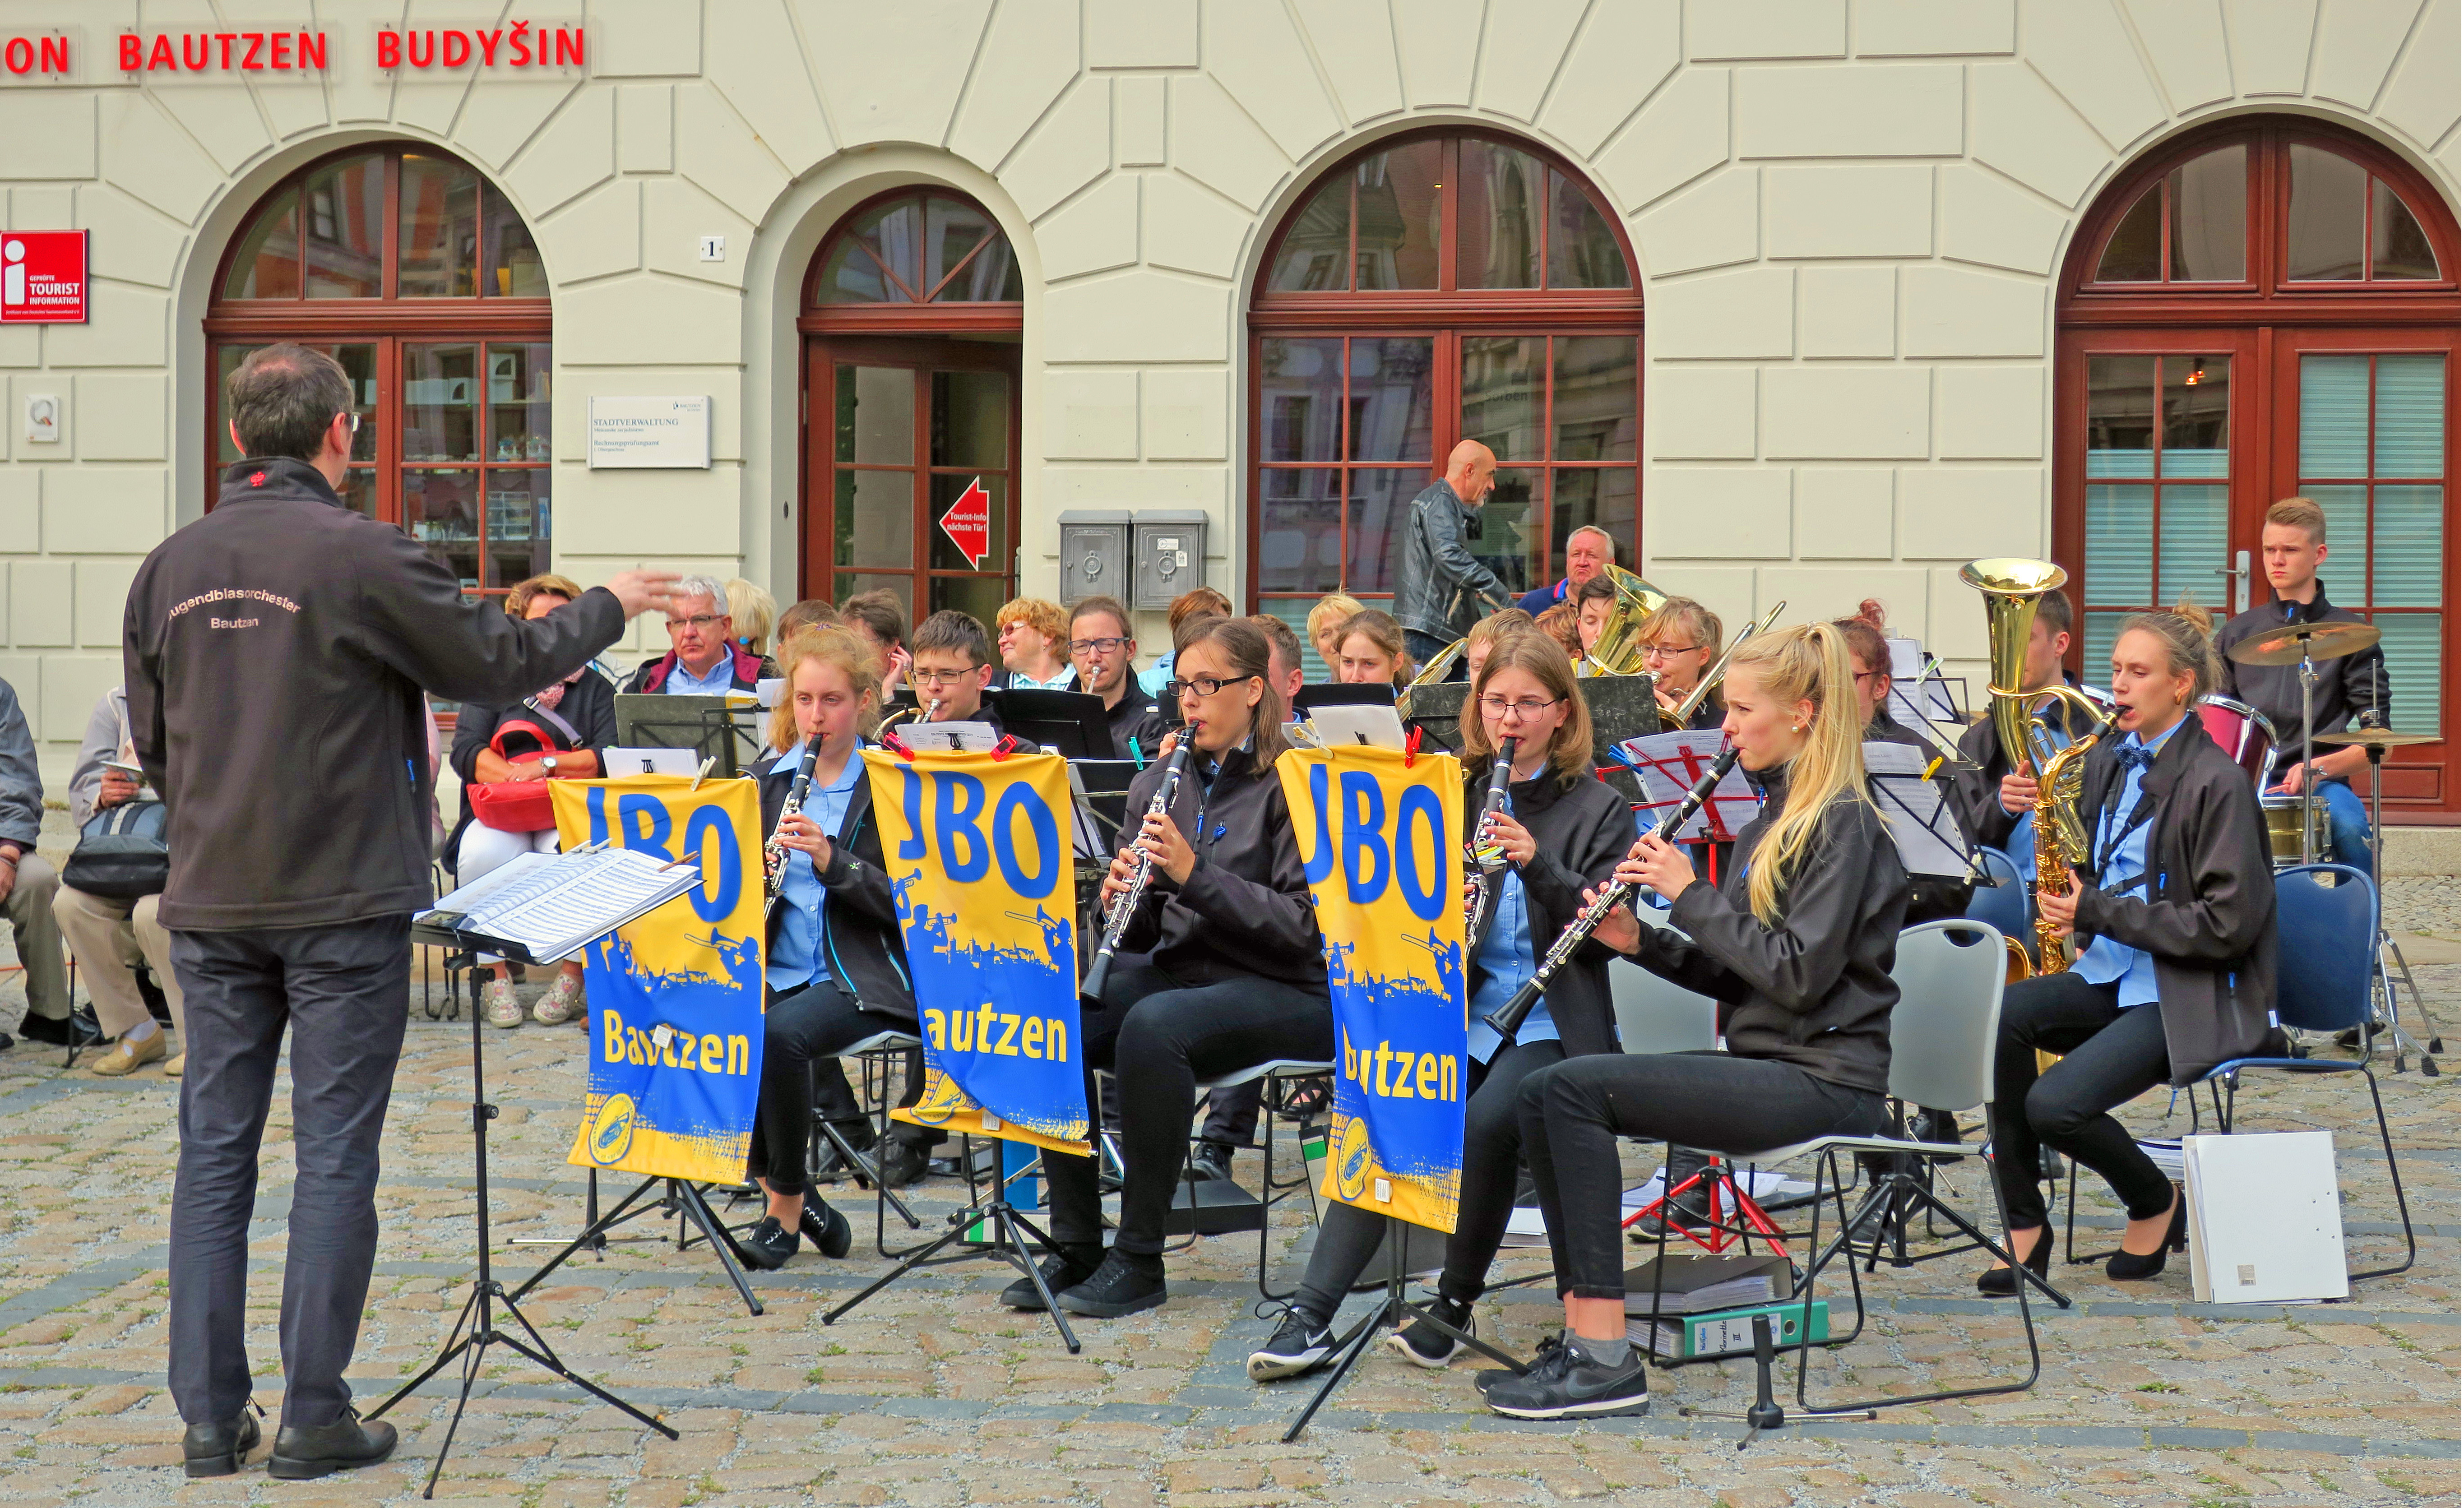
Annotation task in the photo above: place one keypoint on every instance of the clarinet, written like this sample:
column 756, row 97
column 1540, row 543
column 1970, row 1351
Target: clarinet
column 1489, row 860
column 774, row 853
column 1507, row 1019
column 1125, row 903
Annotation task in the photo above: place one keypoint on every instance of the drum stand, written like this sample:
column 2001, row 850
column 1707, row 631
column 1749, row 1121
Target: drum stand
column 2386, row 943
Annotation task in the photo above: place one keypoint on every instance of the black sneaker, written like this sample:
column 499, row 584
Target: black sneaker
column 832, row 1164
column 338, row 1447
column 825, row 1228
column 1489, row 1377
column 1570, row 1385
column 902, row 1163
column 1063, row 1269
column 1211, row 1163
column 1690, row 1211
column 220, row 1450
column 1115, row 1289
column 1299, row 1347
column 768, row 1245
column 1424, row 1344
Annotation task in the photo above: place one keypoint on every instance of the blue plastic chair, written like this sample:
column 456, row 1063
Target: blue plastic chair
column 2326, row 958
column 2003, row 905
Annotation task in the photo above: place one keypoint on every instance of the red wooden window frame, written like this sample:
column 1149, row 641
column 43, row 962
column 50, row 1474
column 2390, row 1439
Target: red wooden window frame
column 2266, row 322
column 389, row 322
column 1445, row 315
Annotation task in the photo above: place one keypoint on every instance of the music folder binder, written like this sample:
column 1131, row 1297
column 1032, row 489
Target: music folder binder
column 541, row 907
column 1922, row 826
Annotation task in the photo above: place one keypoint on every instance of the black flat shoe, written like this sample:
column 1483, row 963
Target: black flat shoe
column 767, row 1245
column 2129, row 1267
column 826, row 1228
column 338, row 1447
column 902, row 1163
column 1116, row 1288
column 71, row 1030
column 1063, row 1269
column 221, row 1449
column 2001, row 1283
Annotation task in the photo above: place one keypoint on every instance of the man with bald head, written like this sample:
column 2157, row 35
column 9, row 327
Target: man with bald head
column 1441, row 590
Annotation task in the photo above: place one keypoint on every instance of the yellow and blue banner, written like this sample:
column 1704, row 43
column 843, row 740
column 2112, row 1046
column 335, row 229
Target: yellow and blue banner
column 1380, row 837
column 978, row 854
column 675, row 993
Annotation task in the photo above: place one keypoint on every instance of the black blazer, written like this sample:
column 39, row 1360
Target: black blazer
column 1580, row 829
column 866, row 951
column 2208, row 914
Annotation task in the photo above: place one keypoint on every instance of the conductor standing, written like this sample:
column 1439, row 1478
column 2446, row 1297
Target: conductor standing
column 275, row 652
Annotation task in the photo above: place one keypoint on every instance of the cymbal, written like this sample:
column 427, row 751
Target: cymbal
column 2283, row 646
column 2375, row 738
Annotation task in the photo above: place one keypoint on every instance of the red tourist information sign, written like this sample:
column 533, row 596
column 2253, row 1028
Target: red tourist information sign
column 42, row 277
column 968, row 522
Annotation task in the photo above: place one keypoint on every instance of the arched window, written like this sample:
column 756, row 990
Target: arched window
column 911, row 316
column 415, row 272
column 2257, row 310
column 1430, row 289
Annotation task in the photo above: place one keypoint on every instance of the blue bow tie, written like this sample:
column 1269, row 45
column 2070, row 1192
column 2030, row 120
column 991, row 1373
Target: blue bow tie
column 2134, row 757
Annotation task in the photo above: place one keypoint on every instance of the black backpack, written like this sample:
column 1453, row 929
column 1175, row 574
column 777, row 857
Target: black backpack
column 121, row 854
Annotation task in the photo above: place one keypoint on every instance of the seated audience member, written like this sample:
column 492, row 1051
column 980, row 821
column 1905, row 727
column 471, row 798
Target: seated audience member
column 557, row 734
column 27, row 882
column 1101, row 647
column 1559, row 624
column 1369, row 650
column 1486, row 634
column 1590, row 552
column 113, row 938
column 703, row 658
column 1034, row 640
column 754, row 610
column 878, row 619
column 1199, row 602
column 1594, row 600
column 1331, row 612
column 810, row 613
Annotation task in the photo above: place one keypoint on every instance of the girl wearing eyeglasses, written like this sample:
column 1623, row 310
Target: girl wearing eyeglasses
column 1562, row 831
column 1221, row 968
column 1678, row 644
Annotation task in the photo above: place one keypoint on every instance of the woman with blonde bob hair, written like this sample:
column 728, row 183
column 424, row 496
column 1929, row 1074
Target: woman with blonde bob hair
column 1795, row 943
column 1328, row 614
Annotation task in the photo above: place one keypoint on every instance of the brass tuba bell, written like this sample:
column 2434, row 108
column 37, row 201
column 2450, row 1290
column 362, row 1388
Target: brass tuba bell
column 1620, row 650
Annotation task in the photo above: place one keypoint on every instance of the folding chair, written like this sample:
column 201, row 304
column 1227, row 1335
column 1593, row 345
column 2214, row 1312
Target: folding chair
column 1275, row 1071
column 873, row 1055
column 2003, row 904
column 2327, row 951
column 1942, row 1034
column 1654, row 1016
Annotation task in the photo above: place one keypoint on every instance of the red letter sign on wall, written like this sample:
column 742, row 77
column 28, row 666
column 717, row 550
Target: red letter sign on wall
column 42, row 277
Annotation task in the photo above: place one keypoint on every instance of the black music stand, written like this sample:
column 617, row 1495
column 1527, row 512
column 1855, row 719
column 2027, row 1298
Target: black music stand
column 682, row 1197
column 476, row 1329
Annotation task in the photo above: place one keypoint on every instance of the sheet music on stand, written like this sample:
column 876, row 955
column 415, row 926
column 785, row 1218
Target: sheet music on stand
column 1378, row 727
column 1916, row 674
column 948, row 737
column 1921, row 823
column 543, row 907
column 1667, row 766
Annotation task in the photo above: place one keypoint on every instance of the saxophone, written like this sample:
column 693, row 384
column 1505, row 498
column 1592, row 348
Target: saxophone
column 774, row 853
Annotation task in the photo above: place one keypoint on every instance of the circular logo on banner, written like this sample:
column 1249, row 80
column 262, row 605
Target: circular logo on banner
column 611, row 1129
column 1351, row 1158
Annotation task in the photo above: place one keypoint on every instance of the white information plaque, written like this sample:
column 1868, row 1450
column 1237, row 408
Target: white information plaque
column 650, row 432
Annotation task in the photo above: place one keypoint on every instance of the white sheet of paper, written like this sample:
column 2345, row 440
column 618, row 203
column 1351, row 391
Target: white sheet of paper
column 1923, row 828
column 948, row 737
column 620, row 762
column 554, row 903
column 1380, row 727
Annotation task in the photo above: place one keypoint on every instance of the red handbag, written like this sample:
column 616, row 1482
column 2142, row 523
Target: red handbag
column 512, row 806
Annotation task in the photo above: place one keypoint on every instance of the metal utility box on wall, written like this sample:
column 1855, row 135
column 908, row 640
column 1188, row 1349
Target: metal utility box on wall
column 1167, row 555
column 1094, row 553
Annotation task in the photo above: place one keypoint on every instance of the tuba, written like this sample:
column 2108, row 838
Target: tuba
column 1618, row 651
column 2013, row 588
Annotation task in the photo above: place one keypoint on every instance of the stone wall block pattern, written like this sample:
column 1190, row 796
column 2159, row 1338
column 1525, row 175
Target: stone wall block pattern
column 1070, row 150
column 49, row 136
column 600, row 235
column 1731, row 30
column 1735, row 315
column 2358, row 42
column 1814, row 592
column 760, row 69
column 1141, row 34
column 573, row 155
column 1183, row 414
column 503, row 115
column 102, row 510
column 1950, row 310
column 21, row 510
column 2026, row 130
column 1037, row 43
column 2421, row 98
column 224, row 121
column 890, row 73
column 1091, row 415
column 1138, row 108
column 1989, row 413
column 1717, row 514
column 1521, row 48
column 101, row 600
column 120, row 415
column 2081, row 49
column 1850, row 110
column 675, row 215
column 144, row 153
column 646, row 128
column 1217, row 144
column 1844, row 512
column 71, row 685
column 2187, row 46
column 1715, row 224
column 646, row 38
column 1838, row 209
column 1933, row 28
column 723, row 155
column 1438, row 41
column 1190, row 229
column 42, row 596
column 124, row 327
column 1260, row 61
column 1097, row 231
column 1138, row 317
column 1700, row 413
column 2269, row 41
column 644, row 321
column 1625, row 52
column 1986, row 219
column 1842, row 413
column 1956, row 512
column 1355, row 43
column 1679, row 137
column 1847, row 312
column 131, row 242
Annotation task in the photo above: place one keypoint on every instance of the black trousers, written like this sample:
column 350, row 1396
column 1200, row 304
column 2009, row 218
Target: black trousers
column 343, row 990
column 1348, row 1236
column 1573, row 1115
column 1159, row 1035
column 2110, row 1056
column 1232, row 1114
column 800, row 1028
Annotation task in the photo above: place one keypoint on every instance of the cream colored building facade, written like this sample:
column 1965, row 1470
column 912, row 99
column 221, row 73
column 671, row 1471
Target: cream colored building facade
column 1850, row 220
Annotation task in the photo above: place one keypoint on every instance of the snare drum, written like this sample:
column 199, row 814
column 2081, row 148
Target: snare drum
column 2283, row 813
column 2242, row 732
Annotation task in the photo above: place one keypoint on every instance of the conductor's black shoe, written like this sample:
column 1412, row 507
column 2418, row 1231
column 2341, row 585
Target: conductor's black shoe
column 767, row 1246
column 901, row 1162
column 299, row 1454
column 1567, row 1384
column 1116, row 1288
column 61, row 1031
column 1063, row 1269
column 1424, row 1344
column 1211, row 1163
column 1300, row 1345
column 1489, row 1377
column 221, row 1449
column 825, row 1228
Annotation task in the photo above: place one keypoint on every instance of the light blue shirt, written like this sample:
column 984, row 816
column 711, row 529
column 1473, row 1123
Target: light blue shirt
column 2106, row 960
column 1152, row 679
column 796, row 947
column 720, row 680
column 1506, row 960
column 1020, row 680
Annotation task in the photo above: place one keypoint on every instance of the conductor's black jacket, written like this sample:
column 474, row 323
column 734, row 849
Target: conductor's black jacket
column 276, row 651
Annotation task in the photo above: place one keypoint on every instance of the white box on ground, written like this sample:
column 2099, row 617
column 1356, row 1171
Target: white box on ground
column 649, row 433
column 2266, row 1223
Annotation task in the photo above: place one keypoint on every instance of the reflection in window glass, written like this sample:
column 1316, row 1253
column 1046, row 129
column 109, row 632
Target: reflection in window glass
column 2399, row 247
column 1312, row 256
column 1602, row 496
column 1398, row 216
column 2210, row 196
column 1300, row 389
column 2324, row 234
column 1498, row 214
column 876, row 415
column 971, row 420
column 1378, row 510
column 2121, row 416
column 1583, row 252
column 439, row 251
column 1391, row 398
column 267, row 263
column 2197, row 389
column 877, row 258
column 1594, row 399
column 518, row 544
column 2135, row 252
column 852, row 276
column 515, row 269
column 344, row 210
column 1501, row 394
column 875, row 512
column 1510, row 540
column 518, row 402
column 1300, row 530
column 440, row 413
column 441, row 510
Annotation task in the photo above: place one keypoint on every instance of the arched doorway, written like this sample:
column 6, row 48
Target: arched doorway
column 415, row 273
column 1432, row 288
column 911, row 319
column 2264, row 309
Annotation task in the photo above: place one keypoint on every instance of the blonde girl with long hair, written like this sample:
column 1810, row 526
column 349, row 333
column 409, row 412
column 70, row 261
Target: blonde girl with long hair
column 1795, row 943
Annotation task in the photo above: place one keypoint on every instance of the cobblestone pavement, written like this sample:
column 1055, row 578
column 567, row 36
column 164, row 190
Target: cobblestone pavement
column 933, row 1394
